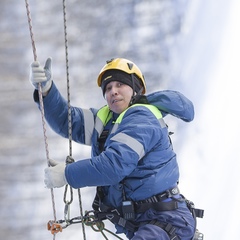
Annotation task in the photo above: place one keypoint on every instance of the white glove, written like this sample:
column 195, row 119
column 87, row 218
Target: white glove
column 41, row 75
column 54, row 176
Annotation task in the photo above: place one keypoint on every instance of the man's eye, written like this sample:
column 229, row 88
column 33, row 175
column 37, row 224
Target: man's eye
column 108, row 89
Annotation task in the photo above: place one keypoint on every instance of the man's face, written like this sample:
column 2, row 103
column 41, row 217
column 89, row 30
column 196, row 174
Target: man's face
column 118, row 96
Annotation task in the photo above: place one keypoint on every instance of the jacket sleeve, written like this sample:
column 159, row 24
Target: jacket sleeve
column 174, row 103
column 56, row 114
column 137, row 134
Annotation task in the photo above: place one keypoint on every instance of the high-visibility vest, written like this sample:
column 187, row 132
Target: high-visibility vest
column 105, row 114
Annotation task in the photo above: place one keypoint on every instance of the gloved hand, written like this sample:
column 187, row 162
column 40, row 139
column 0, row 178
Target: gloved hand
column 54, row 176
column 41, row 75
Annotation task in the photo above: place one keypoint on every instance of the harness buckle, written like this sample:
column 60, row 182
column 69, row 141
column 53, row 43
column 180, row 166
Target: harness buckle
column 198, row 235
column 173, row 191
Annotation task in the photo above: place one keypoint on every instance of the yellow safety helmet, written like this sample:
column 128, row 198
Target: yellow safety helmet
column 123, row 65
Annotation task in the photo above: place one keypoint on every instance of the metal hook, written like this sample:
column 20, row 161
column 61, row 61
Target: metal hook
column 67, row 212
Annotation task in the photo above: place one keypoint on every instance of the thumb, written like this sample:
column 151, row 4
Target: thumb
column 48, row 64
column 52, row 162
column 35, row 64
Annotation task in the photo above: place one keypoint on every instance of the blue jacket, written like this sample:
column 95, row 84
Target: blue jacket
column 138, row 155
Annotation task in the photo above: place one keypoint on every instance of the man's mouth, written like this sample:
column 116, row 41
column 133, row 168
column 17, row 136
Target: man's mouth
column 115, row 100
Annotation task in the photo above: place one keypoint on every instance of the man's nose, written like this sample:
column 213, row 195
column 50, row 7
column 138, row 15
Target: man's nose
column 114, row 91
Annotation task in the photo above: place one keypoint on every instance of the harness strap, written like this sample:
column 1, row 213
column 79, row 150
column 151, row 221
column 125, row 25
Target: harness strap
column 103, row 212
column 172, row 192
column 102, row 139
column 168, row 228
column 155, row 202
column 196, row 212
column 158, row 206
column 117, row 219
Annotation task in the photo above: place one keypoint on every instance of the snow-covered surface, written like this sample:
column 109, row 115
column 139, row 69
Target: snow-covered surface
column 201, row 61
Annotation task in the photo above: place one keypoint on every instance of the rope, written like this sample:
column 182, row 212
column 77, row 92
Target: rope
column 41, row 103
column 70, row 119
column 97, row 226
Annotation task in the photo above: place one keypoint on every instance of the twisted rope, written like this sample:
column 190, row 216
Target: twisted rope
column 70, row 117
column 41, row 103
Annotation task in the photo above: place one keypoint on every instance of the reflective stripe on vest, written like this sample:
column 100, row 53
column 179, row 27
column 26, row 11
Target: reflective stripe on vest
column 131, row 142
column 88, row 125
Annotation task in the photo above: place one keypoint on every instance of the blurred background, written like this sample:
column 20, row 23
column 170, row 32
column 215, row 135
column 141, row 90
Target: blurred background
column 183, row 45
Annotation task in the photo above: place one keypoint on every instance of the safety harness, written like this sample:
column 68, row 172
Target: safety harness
column 125, row 215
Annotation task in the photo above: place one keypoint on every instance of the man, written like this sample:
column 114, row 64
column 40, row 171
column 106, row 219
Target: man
column 133, row 163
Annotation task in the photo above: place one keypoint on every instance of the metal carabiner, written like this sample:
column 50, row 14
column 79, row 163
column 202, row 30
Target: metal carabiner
column 67, row 212
column 68, row 161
